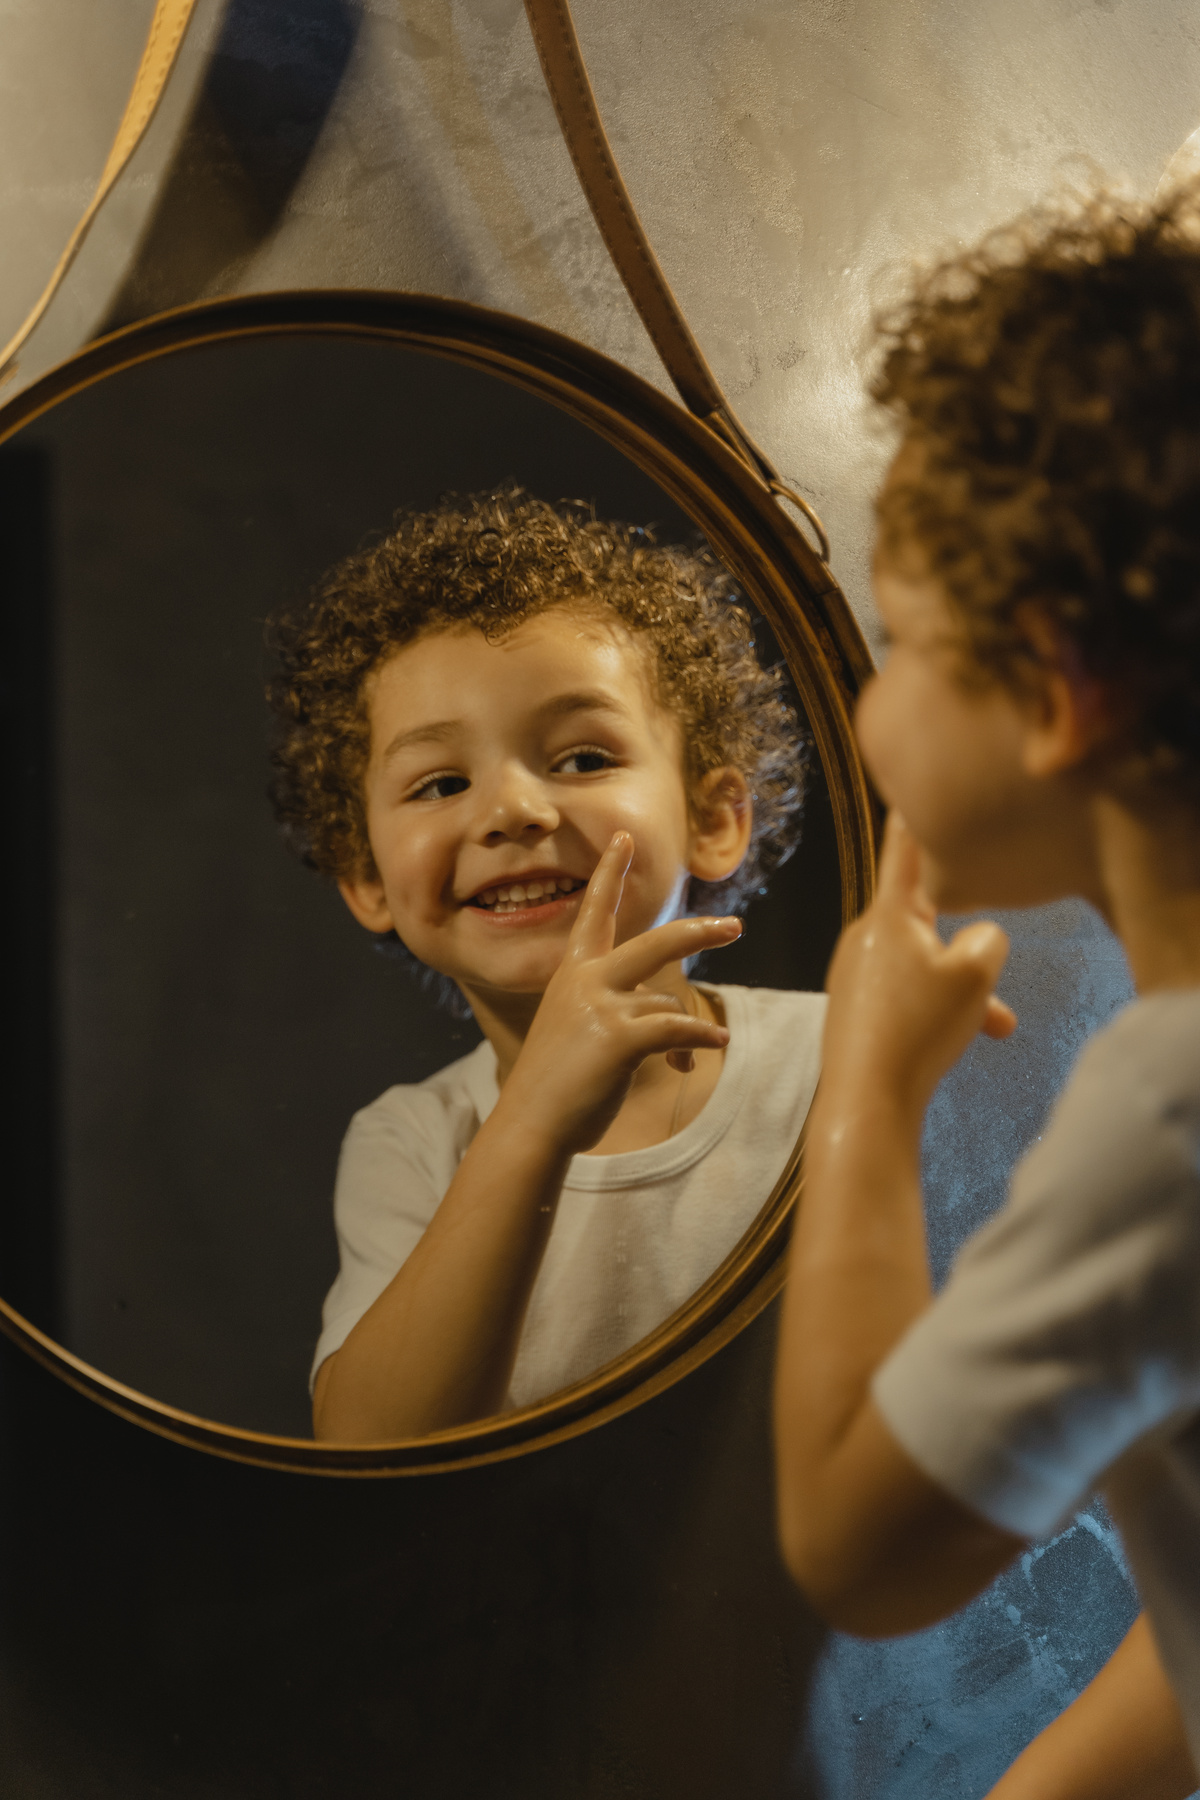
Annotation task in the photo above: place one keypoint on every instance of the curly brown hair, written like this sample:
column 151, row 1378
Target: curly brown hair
column 1048, row 382
column 492, row 561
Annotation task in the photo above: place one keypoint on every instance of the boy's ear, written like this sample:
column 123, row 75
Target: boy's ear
column 1073, row 713
column 723, row 812
column 365, row 897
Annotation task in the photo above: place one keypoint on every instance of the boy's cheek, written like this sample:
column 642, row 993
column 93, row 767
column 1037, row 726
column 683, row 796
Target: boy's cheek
column 871, row 730
column 909, row 764
column 654, row 899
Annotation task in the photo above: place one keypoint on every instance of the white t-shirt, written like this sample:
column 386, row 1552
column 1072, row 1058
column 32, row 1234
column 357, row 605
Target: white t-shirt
column 1064, row 1352
column 634, row 1235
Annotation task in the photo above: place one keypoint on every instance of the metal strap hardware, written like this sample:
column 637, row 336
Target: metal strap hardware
column 782, row 492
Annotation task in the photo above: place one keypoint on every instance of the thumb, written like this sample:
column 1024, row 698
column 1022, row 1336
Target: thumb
column 982, row 949
column 999, row 1021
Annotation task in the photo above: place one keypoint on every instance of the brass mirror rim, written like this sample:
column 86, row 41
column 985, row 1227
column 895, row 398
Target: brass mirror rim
column 828, row 660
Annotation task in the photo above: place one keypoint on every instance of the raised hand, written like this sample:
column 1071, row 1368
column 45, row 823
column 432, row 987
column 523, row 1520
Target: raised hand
column 903, row 1005
column 598, row 1022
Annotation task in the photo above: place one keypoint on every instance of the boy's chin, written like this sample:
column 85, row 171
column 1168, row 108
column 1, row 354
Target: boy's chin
column 947, row 888
column 988, row 890
column 524, row 976
column 957, row 890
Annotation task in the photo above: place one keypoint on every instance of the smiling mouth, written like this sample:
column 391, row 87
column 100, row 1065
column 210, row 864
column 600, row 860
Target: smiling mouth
column 523, row 896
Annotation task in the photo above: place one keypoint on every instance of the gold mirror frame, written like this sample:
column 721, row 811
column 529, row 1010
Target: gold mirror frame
column 828, row 661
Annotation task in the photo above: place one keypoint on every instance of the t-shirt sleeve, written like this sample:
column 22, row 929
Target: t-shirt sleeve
column 388, row 1187
column 1070, row 1325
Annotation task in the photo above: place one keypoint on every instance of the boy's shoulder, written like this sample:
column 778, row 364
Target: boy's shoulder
column 1122, row 1146
column 1169, row 1013
column 774, row 1054
column 451, row 1100
column 1149, row 1056
column 772, row 1009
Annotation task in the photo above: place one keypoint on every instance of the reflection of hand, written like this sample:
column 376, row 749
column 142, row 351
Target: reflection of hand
column 903, row 1006
column 597, row 1022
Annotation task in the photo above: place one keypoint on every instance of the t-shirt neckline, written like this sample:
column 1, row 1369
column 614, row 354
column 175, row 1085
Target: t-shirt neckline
column 658, row 1162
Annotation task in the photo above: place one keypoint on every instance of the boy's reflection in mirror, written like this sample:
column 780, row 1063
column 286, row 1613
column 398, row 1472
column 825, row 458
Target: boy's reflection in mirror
column 539, row 750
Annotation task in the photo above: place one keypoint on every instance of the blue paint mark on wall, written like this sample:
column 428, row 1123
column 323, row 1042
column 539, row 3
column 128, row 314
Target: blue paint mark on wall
column 942, row 1713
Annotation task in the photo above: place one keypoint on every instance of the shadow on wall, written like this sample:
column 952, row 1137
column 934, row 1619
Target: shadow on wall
column 272, row 80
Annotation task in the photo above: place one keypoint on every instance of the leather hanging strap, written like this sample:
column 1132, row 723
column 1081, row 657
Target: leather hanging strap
column 167, row 27
column 566, row 75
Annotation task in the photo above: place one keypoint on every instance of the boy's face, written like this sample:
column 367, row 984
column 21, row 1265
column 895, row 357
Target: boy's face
column 511, row 763
column 965, row 761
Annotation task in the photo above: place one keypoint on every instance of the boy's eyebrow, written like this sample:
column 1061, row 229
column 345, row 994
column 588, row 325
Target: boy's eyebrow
column 422, row 734
column 585, row 700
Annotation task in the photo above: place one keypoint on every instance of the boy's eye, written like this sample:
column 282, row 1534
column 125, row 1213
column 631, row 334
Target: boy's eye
column 585, row 761
column 439, row 787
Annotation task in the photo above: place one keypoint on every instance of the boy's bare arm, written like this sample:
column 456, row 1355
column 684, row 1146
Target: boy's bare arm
column 436, row 1349
column 876, row 1544
column 438, row 1346
column 1122, row 1739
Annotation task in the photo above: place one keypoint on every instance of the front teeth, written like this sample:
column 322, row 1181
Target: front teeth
column 520, row 894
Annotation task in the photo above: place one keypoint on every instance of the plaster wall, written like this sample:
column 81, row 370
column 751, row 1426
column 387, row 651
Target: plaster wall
column 789, row 162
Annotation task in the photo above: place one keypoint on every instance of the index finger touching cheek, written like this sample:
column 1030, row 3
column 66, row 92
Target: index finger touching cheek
column 594, row 927
column 900, row 869
column 899, row 860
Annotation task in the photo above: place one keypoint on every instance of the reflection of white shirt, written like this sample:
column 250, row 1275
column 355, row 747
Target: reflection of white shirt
column 634, row 1235
column 1064, row 1351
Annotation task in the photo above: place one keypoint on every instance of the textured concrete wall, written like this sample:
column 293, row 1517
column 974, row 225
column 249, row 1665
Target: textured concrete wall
column 789, row 161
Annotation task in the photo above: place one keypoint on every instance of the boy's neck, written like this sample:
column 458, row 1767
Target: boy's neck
column 505, row 1019
column 1149, row 860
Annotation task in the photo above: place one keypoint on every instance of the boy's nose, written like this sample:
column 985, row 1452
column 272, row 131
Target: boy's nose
column 518, row 806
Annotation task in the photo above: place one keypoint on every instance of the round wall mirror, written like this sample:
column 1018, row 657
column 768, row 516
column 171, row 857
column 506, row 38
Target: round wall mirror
column 199, row 1015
